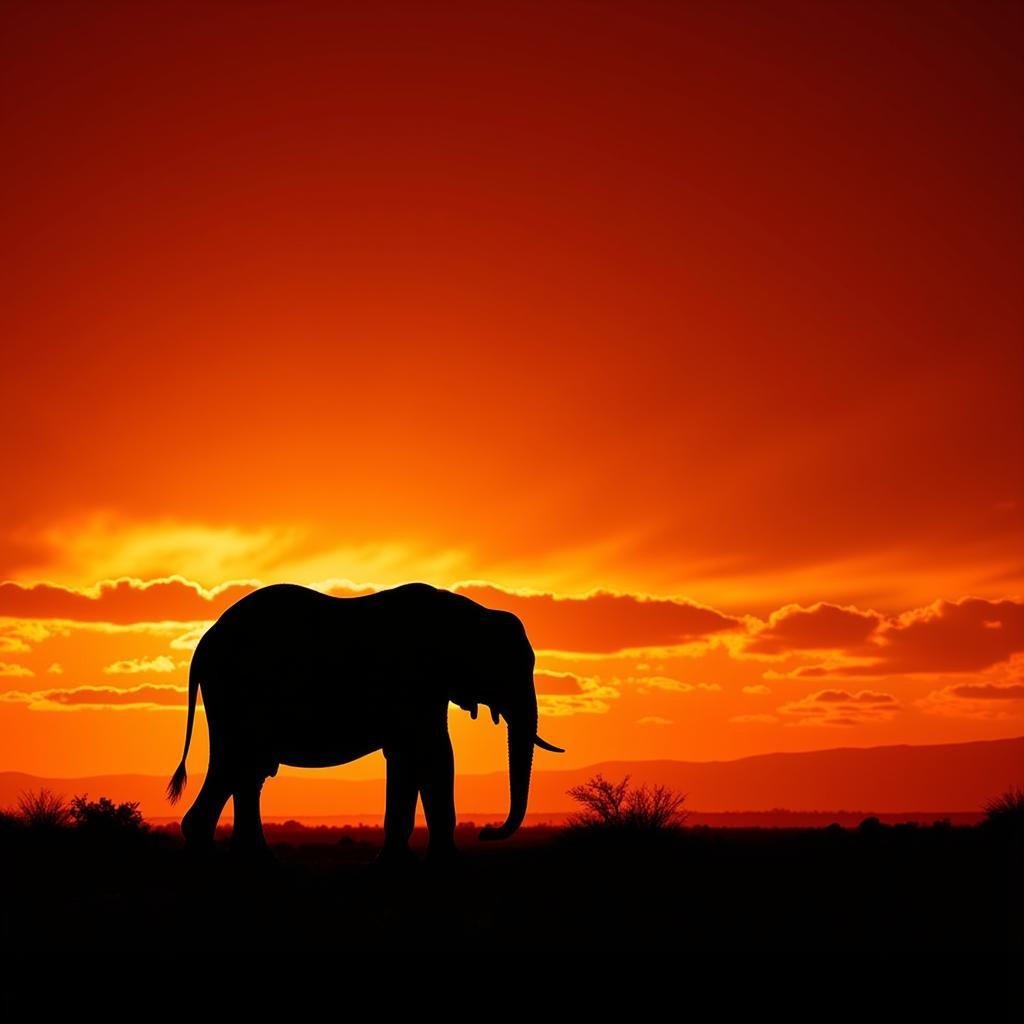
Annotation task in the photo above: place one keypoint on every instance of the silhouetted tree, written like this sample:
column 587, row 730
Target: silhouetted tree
column 104, row 817
column 603, row 799
column 614, row 805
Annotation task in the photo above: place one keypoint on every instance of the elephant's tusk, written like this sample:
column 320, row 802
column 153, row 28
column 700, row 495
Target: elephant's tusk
column 544, row 745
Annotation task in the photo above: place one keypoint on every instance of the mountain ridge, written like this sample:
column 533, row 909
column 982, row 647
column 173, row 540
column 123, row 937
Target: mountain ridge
column 893, row 778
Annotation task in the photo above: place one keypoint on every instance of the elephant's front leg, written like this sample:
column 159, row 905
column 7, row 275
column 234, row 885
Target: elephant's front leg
column 400, row 806
column 427, row 766
column 437, row 785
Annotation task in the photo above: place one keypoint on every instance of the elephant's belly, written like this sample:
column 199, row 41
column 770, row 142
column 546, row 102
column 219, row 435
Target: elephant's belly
column 310, row 731
column 319, row 741
column 323, row 756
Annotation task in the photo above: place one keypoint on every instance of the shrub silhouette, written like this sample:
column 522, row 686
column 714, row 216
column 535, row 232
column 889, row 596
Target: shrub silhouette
column 1005, row 813
column 105, row 818
column 43, row 811
column 614, row 806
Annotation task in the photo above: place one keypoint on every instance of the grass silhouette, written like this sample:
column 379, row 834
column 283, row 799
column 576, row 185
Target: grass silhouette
column 1005, row 813
column 43, row 810
column 631, row 875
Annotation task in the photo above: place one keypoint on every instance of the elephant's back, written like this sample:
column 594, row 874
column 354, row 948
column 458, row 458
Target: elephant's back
column 278, row 601
column 287, row 626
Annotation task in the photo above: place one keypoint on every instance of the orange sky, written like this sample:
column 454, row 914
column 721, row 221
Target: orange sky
column 691, row 331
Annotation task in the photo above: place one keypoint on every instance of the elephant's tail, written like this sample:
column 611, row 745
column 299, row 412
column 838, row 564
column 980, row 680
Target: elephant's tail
column 177, row 783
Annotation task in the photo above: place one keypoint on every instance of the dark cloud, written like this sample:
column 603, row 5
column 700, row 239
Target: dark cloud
column 988, row 691
column 842, row 697
column 605, row 622
column 838, row 707
column 602, row 622
column 969, row 635
column 557, row 682
column 102, row 696
column 819, row 627
column 121, row 601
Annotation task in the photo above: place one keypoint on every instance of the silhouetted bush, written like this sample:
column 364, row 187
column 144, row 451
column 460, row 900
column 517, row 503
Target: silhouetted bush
column 1005, row 814
column 43, row 811
column 105, row 818
column 613, row 805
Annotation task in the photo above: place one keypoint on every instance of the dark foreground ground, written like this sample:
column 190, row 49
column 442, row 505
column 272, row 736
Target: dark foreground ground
column 874, row 889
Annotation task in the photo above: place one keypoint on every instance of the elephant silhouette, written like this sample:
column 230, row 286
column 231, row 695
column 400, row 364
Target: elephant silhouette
column 292, row 676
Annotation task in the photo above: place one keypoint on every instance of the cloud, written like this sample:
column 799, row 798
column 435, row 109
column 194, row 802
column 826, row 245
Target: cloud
column 653, row 720
column 13, row 645
column 146, row 697
column 842, row 697
column 188, row 641
column 548, row 682
column 601, row 622
column 161, row 663
column 968, row 635
column 35, row 632
column 591, row 698
column 604, row 621
column 839, row 707
column 121, row 601
column 648, row 684
column 761, row 719
column 645, row 684
column 980, row 700
column 820, row 627
column 10, row 669
column 989, row 691
column 759, row 690
column 950, row 636
column 96, row 544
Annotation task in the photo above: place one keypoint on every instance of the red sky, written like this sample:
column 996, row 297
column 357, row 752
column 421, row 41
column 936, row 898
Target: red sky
column 690, row 331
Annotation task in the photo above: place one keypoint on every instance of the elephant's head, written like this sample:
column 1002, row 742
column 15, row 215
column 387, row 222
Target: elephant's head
column 499, row 674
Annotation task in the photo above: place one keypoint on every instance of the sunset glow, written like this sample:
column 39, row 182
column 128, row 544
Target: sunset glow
column 693, row 340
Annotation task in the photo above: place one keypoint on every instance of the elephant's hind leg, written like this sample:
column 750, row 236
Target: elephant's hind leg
column 247, row 835
column 200, row 822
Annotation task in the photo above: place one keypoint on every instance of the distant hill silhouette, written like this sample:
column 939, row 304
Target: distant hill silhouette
column 937, row 778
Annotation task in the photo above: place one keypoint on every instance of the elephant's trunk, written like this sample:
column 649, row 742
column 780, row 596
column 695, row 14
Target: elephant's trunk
column 522, row 734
